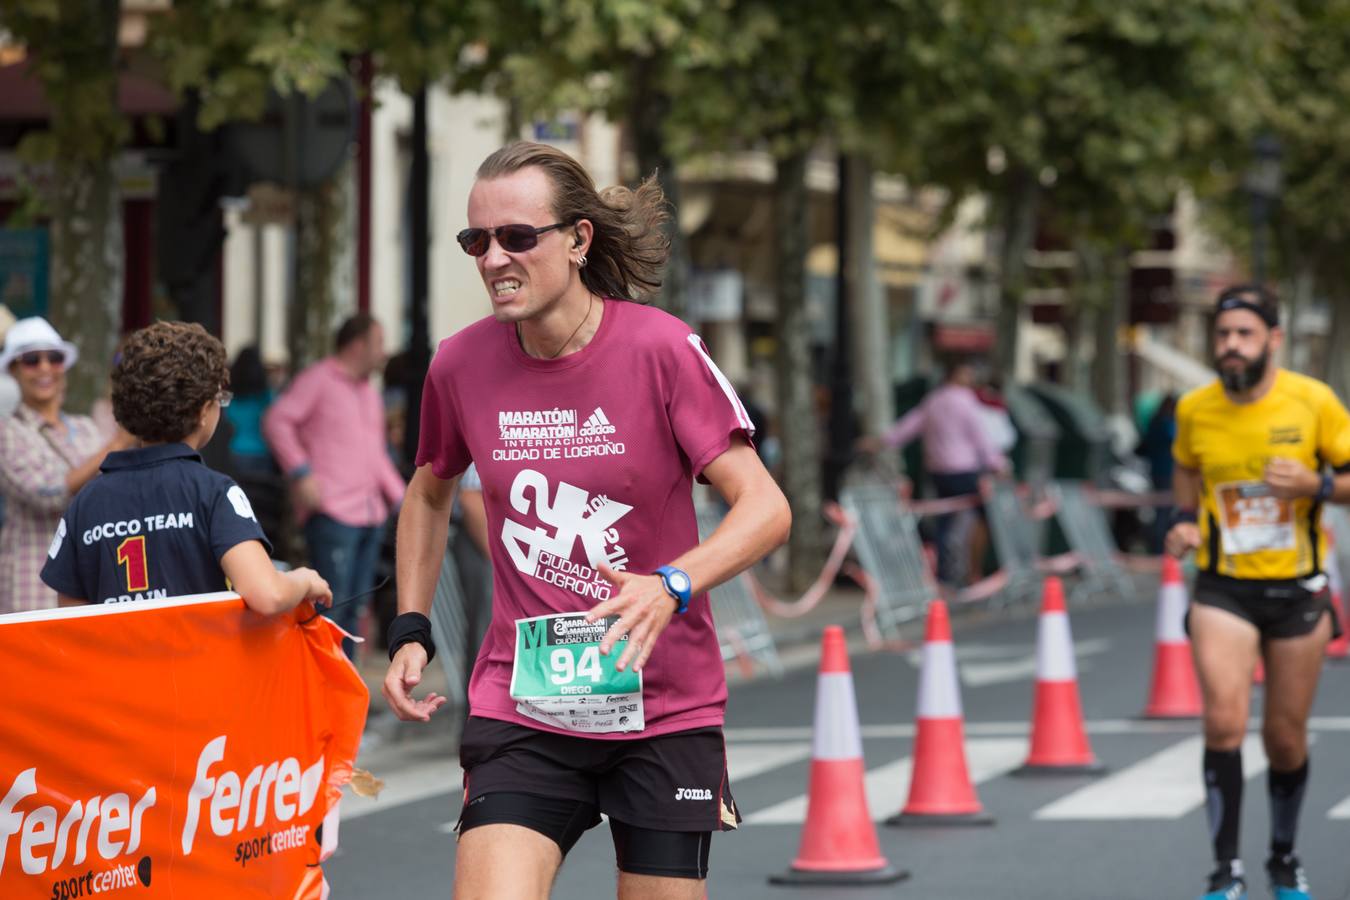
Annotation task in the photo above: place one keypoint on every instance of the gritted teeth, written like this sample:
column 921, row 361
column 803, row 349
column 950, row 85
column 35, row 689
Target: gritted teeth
column 505, row 287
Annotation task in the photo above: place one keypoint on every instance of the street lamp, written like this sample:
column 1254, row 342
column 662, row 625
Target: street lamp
column 1263, row 182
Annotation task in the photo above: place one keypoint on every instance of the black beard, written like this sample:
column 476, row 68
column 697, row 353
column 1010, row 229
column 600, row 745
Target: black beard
column 1239, row 381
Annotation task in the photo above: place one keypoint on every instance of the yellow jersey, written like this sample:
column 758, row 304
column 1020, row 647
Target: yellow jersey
column 1245, row 531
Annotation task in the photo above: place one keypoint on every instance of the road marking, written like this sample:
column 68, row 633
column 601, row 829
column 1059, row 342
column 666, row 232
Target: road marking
column 1007, row 729
column 981, row 674
column 1340, row 810
column 1166, row 785
column 437, row 778
column 748, row 760
column 886, row 785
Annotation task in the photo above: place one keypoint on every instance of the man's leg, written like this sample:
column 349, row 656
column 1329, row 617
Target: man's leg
column 1226, row 647
column 1292, row 668
column 650, row 887
column 332, row 547
column 495, row 861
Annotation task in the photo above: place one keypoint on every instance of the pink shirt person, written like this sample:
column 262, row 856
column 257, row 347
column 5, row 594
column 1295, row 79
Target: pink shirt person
column 332, row 424
column 954, row 437
column 606, row 477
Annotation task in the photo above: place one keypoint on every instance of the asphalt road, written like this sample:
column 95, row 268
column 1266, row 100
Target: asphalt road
column 1137, row 831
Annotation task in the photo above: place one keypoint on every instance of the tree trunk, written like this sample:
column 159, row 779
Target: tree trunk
column 87, row 264
column 647, row 114
column 1020, row 204
column 324, row 288
column 799, row 424
column 1108, row 365
column 86, row 230
column 871, row 330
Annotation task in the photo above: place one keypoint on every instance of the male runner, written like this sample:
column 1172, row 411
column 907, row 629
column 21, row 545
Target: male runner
column 1258, row 453
column 157, row 522
column 599, row 687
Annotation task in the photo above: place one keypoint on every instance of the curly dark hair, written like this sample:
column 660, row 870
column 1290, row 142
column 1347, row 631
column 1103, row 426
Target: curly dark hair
column 167, row 373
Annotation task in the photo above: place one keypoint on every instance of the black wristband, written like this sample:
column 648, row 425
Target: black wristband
column 1327, row 487
column 409, row 627
column 1183, row 515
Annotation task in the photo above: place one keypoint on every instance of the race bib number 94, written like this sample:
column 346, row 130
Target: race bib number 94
column 561, row 679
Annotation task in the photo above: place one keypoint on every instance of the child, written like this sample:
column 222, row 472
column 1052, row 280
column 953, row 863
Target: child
column 157, row 522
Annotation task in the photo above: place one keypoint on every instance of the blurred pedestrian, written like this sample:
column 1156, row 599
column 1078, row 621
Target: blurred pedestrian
column 957, row 451
column 169, row 387
column 46, row 456
column 327, row 431
column 469, row 546
column 1155, row 446
column 253, row 395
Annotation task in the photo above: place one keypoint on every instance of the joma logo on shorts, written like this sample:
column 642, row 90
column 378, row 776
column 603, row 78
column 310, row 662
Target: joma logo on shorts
column 693, row 794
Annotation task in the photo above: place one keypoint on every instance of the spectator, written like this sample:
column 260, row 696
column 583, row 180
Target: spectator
column 956, row 452
column 469, row 544
column 46, row 456
column 168, row 389
column 252, row 396
column 327, row 432
column 1156, row 448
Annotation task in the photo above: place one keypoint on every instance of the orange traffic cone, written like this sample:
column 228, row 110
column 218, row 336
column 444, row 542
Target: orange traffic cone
column 1059, row 743
column 940, row 791
column 1339, row 648
column 839, row 842
column 1175, row 692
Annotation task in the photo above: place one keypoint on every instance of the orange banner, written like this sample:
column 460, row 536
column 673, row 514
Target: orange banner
column 184, row 748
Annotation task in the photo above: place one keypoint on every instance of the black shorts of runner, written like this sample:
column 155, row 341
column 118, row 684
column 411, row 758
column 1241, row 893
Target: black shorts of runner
column 1279, row 609
column 664, row 795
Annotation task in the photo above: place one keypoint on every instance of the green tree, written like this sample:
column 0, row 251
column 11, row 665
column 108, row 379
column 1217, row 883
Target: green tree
column 73, row 51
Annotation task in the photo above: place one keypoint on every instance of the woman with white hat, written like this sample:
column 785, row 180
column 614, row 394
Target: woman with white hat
column 46, row 455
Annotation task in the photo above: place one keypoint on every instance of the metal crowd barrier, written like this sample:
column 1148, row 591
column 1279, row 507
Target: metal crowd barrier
column 449, row 627
column 1084, row 526
column 742, row 631
column 890, row 551
column 1016, row 536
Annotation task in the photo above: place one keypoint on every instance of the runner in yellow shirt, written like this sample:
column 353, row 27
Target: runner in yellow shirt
column 1258, row 452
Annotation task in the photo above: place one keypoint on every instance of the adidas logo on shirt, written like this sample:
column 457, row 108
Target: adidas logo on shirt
column 597, row 424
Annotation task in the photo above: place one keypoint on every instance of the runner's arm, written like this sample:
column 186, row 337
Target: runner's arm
column 423, row 527
column 1184, row 536
column 758, row 521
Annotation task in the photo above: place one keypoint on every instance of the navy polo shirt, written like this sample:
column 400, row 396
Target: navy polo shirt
column 155, row 524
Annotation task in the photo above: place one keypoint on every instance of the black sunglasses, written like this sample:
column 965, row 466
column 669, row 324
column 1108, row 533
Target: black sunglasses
column 33, row 358
column 512, row 238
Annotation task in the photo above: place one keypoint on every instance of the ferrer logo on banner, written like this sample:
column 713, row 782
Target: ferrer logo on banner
column 203, row 756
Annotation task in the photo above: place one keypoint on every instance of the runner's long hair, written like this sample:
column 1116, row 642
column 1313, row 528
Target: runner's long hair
column 629, row 247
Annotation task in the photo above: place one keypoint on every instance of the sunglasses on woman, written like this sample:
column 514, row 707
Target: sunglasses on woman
column 33, row 358
column 511, row 238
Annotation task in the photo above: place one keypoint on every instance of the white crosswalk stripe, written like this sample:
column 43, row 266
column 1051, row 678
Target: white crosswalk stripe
column 748, row 760
column 886, row 785
column 409, row 785
column 1165, row 785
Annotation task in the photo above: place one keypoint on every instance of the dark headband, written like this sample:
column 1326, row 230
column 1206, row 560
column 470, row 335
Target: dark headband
column 1269, row 316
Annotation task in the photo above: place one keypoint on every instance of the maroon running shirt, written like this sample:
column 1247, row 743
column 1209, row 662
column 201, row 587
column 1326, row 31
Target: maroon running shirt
column 586, row 459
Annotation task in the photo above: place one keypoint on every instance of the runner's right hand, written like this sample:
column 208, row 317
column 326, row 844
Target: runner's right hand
column 1182, row 539
column 405, row 673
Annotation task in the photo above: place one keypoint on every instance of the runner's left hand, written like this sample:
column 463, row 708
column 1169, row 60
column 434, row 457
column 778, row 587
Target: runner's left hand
column 644, row 609
column 1289, row 479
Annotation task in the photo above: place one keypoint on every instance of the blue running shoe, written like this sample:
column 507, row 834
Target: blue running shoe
column 1227, row 883
column 1287, row 879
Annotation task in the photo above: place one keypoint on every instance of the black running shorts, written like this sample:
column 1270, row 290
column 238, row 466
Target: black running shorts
column 1278, row 609
column 669, row 783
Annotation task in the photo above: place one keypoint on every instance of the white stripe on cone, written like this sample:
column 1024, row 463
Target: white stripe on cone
column 939, row 694
column 836, row 733
column 1171, row 622
column 1054, row 649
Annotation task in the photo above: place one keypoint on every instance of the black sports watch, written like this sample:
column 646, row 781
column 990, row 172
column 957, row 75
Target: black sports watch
column 677, row 585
